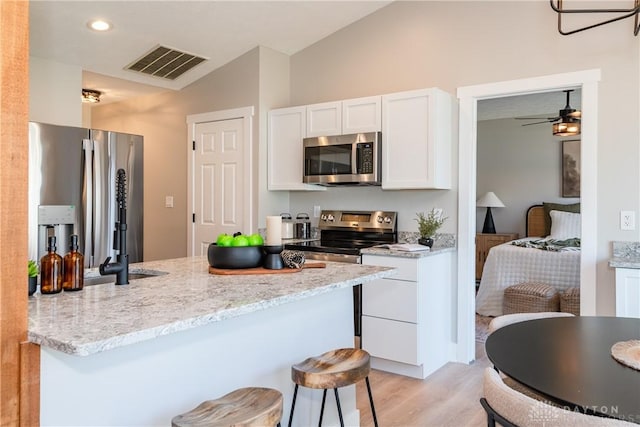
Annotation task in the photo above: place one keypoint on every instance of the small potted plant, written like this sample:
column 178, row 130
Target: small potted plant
column 428, row 225
column 33, row 276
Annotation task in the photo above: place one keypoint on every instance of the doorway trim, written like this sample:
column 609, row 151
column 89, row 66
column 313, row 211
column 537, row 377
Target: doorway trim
column 246, row 114
column 468, row 97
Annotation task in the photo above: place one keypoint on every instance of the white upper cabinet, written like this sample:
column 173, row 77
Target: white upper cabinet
column 416, row 140
column 362, row 115
column 344, row 117
column 416, row 137
column 324, row 119
column 285, row 152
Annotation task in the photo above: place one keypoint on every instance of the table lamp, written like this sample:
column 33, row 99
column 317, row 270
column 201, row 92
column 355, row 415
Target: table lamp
column 489, row 200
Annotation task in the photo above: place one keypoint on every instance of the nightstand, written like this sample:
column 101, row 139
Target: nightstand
column 484, row 242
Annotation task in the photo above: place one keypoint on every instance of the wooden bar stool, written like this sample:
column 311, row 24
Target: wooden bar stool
column 251, row 406
column 334, row 369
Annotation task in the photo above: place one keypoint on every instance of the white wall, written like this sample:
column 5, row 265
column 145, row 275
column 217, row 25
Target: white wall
column 522, row 166
column 55, row 92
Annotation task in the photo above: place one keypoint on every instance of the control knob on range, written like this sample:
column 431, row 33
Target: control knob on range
column 330, row 218
column 387, row 220
column 379, row 219
column 323, row 217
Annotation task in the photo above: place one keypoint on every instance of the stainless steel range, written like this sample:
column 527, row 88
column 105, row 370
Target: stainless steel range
column 343, row 234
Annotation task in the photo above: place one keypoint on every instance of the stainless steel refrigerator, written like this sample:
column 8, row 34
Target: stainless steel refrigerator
column 72, row 190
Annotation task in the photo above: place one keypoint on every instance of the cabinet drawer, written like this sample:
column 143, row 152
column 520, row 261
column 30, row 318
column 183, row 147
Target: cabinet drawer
column 391, row 340
column 407, row 267
column 391, row 299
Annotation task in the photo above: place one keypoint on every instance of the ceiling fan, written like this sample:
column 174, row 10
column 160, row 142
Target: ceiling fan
column 567, row 123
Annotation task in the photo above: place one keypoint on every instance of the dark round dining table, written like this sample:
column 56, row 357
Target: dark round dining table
column 569, row 359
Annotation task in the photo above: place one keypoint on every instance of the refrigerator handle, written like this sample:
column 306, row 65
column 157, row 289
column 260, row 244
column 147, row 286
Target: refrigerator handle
column 87, row 147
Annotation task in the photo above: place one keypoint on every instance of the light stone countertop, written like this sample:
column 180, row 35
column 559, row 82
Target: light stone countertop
column 102, row 317
column 625, row 255
column 405, row 254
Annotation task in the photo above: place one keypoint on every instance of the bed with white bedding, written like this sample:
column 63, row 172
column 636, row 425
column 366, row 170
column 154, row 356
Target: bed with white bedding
column 508, row 264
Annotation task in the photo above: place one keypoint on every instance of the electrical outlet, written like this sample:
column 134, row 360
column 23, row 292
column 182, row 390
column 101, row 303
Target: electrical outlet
column 168, row 202
column 316, row 211
column 627, row 220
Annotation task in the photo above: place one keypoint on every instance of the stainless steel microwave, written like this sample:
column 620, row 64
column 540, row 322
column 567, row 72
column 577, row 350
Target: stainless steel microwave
column 343, row 159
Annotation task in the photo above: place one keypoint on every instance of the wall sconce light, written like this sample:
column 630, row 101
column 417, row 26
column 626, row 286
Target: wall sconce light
column 90, row 95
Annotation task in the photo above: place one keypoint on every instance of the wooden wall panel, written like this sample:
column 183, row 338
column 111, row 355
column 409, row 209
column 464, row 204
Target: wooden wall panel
column 14, row 108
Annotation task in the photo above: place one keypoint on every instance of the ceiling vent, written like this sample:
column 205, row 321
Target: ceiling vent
column 165, row 62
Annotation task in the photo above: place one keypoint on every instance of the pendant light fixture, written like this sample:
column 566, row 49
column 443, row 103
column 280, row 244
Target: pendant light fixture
column 558, row 7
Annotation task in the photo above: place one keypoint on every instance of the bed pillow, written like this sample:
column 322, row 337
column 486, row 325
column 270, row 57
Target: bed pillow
column 548, row 207
column 564, row 225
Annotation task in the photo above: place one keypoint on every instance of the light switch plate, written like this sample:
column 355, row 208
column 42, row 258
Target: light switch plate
column 316, row 211
column 168, row 202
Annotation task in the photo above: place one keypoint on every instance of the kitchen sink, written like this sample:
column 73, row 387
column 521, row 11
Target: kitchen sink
column 133, row 275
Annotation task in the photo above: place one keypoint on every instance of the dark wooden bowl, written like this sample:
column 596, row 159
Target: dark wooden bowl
column 235, row 256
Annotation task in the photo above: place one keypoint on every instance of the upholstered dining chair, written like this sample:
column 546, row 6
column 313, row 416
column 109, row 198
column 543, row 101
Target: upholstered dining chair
column 511, row 408
column 507, row 319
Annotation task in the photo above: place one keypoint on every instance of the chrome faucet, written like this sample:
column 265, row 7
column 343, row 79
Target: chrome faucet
column 121, row 267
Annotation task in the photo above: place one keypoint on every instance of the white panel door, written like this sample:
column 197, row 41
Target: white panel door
column 218, row 181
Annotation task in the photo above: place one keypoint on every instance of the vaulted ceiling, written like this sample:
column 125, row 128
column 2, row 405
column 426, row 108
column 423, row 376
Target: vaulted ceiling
column 219, row 31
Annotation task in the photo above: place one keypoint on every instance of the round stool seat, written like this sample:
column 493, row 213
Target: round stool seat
column 333, row 369
column 251, row 406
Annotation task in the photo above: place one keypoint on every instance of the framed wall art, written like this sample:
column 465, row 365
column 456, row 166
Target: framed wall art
column 571, row 168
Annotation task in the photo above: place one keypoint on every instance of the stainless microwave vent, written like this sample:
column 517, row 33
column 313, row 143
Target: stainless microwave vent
column 165, row 62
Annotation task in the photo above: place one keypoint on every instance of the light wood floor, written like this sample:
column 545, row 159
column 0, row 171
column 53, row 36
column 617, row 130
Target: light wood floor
column 448, row 397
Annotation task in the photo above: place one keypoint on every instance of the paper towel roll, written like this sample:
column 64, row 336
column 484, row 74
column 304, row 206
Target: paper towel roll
column 274, row 231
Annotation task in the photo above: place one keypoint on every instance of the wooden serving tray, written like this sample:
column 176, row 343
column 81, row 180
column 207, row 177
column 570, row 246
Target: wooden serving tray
column 262, row 270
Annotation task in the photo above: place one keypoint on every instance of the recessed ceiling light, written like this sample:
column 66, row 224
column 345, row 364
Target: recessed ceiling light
column 99, row 25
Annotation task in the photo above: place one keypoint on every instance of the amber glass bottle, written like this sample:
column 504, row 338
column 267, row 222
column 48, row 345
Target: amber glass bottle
column 51, row 269
column 73, row 267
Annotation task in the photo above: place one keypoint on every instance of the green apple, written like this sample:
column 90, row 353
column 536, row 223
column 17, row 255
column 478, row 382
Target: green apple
column 224, row 240
column 255, row 240
column 240, row 240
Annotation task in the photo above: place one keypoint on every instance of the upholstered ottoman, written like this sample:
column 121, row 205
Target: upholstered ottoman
column 570, row 301
column 530, row 298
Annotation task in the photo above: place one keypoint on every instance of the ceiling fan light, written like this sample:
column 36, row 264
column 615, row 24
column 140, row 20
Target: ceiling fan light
column 566, row 128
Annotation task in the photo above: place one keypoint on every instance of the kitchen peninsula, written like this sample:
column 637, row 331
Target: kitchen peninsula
column 139, row 354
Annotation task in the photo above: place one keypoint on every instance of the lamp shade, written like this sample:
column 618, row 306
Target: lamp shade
column 489, row 200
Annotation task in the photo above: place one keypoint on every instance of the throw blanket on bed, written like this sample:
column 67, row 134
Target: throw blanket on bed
column 550, row 244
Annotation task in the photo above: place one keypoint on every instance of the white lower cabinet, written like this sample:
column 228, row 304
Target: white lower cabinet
column 407, row 318
column 627, row 292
